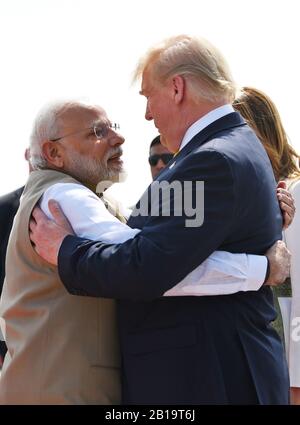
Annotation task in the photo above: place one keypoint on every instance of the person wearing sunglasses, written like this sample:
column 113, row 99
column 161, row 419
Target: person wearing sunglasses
column 159, row 156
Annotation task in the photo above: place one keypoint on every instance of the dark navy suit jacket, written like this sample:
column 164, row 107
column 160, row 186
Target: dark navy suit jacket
column 213, row 349
column 9, row 205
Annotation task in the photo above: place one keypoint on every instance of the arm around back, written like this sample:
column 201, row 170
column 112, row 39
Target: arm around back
column 165, row 251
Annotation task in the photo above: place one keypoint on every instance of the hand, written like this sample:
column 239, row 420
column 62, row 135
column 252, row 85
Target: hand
column 47, row 235
column 279, row 260
column 286, row 203
column 295, row 395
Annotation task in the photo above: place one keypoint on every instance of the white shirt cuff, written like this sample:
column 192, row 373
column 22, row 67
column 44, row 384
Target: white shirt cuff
column 257, row 268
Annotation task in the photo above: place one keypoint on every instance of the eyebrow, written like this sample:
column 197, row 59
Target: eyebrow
column 101, row 121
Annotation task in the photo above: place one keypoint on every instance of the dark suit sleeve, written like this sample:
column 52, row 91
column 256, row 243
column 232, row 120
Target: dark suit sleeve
column 9, row 205
column 165, row 251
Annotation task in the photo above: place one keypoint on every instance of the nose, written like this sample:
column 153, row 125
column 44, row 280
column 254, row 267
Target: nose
column 148, row 114
column 116, row 139
column 155, row 170
column 160, row 165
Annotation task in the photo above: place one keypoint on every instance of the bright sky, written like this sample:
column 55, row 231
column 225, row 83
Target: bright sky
column 89, row 48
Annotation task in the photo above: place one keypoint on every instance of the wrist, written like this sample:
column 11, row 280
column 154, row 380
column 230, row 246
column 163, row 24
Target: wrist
column 267, row 271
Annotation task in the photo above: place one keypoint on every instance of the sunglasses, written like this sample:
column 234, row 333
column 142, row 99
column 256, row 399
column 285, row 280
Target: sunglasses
column 165, row 157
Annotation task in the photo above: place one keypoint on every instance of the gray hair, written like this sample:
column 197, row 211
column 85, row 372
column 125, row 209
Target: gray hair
column 203, row 66
column 46, row 127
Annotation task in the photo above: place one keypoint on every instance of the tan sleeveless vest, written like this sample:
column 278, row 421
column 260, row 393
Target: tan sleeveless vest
column 62, row 349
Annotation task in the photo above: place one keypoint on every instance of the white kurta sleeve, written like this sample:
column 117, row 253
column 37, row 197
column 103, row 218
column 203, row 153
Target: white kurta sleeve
column 87, row 213
column 221, row 273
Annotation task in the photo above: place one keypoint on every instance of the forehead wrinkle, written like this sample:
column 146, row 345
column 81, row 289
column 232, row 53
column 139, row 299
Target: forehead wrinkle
column 81, row 118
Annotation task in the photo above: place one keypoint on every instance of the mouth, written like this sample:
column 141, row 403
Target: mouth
column 117, row 156
column 116, row 159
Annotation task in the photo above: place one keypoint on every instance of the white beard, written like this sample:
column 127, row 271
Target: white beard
column 91, row 171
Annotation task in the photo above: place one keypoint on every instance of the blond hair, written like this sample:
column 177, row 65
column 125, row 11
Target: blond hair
column 199, row 62
column 261, row 114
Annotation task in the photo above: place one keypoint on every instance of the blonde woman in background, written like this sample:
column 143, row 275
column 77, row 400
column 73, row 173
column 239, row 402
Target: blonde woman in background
column 262, row 115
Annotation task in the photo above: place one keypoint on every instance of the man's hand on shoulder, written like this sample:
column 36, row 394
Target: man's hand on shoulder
column 279, row 258
column 47, row 235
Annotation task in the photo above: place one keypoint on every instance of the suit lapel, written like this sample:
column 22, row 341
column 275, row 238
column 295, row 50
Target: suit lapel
column 231, row 120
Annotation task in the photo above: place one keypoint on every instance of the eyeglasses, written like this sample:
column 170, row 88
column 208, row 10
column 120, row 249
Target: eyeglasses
column 100, row 130
column 165, row 157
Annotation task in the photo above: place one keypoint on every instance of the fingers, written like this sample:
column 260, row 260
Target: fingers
column 287, row 219
column 279, row 260
column 32, row 230
column 56, row 212
column 32, row 224
column 287, row 206
column 285, row 196
column 38, row 214
column 58, row 215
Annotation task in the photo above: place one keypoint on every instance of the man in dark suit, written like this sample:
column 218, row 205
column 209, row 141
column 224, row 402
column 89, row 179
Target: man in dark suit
column 181, row 350
column 9, row 205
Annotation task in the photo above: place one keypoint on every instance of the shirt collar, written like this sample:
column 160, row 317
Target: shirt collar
column 205, row 121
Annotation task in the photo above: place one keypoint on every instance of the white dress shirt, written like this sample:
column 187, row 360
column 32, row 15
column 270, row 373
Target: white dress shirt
column 205, row 121
column 220, row 273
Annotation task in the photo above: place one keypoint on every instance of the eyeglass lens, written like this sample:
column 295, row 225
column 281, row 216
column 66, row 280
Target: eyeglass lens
column 102, row 129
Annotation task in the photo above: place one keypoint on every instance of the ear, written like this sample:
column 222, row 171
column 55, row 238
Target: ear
column 27, row 157
column 27, row 154
column 178, row 84
column 53, row 153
